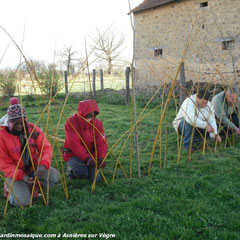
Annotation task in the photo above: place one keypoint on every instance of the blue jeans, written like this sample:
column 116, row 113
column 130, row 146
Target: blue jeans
column 187, row 133
column 80, row 169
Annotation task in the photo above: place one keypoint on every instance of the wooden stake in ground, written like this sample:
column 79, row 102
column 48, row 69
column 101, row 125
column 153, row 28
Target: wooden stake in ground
column 133, row 94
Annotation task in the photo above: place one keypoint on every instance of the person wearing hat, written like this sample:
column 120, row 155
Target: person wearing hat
column 85, row 146
column 23, row 149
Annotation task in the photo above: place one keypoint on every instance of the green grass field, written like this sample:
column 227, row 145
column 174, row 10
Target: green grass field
column 80, row 83
column 193, row 200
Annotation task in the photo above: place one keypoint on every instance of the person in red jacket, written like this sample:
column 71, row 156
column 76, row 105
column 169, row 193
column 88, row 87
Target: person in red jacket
column 17, row 157
column 85, row 144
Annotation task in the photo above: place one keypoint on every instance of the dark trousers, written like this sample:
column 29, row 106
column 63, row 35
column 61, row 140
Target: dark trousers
column 185, row 129
column 80, row 169
column 234, row 119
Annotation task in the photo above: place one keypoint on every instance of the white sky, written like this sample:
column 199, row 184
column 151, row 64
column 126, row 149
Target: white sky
column 49, row 24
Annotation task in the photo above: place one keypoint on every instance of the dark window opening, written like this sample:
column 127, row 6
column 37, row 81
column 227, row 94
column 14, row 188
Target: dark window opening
column 228, row 45
column 203, row 26
column 158, row 52
column 203, row 4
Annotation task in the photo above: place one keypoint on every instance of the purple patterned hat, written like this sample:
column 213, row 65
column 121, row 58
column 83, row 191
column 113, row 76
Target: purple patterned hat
column 15, row 111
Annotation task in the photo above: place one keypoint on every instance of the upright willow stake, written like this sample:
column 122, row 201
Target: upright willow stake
column 165, row 143
column 130, row 139
column 160, row 138
column 135, row 120
column 134, row 96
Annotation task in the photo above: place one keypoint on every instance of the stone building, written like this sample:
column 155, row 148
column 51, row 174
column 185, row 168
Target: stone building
column 205, row 32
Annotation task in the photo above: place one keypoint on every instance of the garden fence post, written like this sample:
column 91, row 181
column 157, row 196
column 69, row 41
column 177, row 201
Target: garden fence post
column 94, row 82
column 127, row 74
column 66, row 82
column 101, row 79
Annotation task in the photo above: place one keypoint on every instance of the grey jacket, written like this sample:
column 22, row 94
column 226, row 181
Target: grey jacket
column 223, row 110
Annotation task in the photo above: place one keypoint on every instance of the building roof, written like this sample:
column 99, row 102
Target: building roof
column 147, row 4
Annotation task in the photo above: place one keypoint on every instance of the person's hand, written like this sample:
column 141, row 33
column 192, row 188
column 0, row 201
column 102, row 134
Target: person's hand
column 40, row 170
column 28, row 180
column 90, row 163
column 209, row 128
column 217, row 137
column 100, row 163
column 237, row 130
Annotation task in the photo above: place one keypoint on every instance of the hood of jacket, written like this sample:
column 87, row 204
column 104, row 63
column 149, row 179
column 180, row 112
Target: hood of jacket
column 87, row 106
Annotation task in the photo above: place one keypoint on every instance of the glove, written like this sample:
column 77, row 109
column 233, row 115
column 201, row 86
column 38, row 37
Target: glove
column 100, row 164
column 90, row 162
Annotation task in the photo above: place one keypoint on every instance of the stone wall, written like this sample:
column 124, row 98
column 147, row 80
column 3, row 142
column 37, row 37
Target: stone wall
column 185, row 25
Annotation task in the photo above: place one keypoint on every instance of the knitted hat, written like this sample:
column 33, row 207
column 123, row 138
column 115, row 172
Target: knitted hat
column 15, row 111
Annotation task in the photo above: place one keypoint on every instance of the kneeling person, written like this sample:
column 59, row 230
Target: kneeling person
column 196, row 115
column 85, row 144
column 13, row 145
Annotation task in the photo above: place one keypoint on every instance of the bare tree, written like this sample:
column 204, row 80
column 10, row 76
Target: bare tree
column 108, row 47
column 68, row 58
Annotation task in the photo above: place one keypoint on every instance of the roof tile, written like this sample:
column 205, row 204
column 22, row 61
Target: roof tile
column 147, row 4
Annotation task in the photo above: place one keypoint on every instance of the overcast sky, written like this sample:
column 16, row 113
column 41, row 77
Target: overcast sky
column 49, row 24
